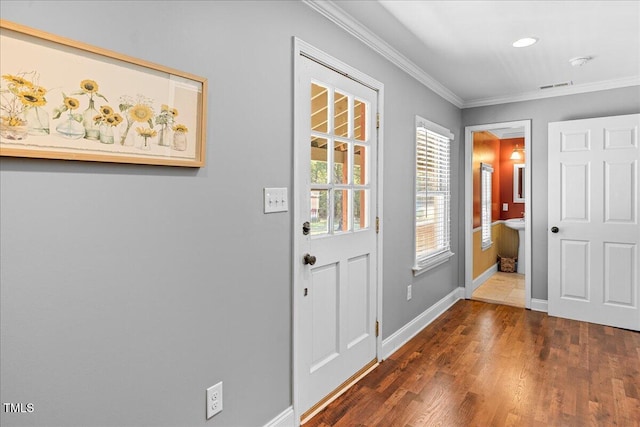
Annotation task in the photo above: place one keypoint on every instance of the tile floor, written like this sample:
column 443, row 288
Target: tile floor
column 502, row 288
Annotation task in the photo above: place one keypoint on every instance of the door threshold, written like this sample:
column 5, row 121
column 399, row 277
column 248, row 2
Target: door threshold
column 338, row 391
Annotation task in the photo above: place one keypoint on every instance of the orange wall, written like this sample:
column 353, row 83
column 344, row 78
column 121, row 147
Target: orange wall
column 506, row 177
column 486, row 149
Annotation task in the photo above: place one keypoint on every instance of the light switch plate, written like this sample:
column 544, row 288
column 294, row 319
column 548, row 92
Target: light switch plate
column 505, row 207
column 276, row 200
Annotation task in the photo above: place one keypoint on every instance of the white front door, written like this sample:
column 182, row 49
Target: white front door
column 336, row 194
column 593, row 220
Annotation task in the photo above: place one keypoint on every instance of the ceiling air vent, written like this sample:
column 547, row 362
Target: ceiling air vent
column 556, row 85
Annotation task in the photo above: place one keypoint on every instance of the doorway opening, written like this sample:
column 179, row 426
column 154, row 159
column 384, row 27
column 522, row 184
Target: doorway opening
column 497, row 213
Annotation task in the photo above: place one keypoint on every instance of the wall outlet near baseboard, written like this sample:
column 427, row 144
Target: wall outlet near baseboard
column 408, row 292
column 214, row 400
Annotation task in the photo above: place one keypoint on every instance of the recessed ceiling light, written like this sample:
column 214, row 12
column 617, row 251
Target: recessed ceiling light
column 524, row 42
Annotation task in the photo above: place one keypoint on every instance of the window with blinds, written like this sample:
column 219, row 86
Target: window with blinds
column 486, row 175
column 433, row 195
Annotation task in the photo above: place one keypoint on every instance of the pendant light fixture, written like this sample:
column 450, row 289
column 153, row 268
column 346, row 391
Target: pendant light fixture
column 516, row 154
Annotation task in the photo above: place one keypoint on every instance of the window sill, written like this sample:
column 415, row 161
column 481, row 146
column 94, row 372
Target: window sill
column 432, row 263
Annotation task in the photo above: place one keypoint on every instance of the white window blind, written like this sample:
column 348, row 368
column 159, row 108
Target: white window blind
column 433, row 194
column 486, row 174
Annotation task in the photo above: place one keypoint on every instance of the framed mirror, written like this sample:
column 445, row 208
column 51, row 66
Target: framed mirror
column 518, row 183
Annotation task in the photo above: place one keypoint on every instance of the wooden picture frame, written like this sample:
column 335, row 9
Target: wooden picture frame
column 62, row 99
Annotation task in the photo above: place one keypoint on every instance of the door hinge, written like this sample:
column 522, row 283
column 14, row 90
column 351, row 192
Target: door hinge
column 377, row 328
column 377, row 120
column 377, row 224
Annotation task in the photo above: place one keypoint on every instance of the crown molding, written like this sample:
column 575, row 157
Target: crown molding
column 553, row 92
column 335, row 14
column 345, row 21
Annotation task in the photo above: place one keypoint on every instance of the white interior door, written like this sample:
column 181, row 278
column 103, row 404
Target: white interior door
column 335, row 178
column 593, row 220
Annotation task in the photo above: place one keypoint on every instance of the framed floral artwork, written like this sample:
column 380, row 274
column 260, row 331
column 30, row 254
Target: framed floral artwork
column 62, row 99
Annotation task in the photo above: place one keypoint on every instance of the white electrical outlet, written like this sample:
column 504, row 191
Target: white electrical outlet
column 214, row 400
column 408, row 292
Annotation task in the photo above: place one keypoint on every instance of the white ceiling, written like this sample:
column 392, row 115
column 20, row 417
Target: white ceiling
column 462, row 49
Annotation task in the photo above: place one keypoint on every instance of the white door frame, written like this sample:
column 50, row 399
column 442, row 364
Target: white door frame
column 302, row 49
column 468, row 202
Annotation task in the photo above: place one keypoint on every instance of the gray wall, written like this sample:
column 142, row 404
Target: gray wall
column 127, row 290
column 541, row 113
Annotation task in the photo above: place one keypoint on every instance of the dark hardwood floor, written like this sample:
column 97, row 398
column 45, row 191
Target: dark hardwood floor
column 481, row 364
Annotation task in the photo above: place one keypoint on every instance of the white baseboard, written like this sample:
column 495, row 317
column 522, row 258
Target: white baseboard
column 484, row 277
column 285, row 419
column 539, row 305
column 411, row 329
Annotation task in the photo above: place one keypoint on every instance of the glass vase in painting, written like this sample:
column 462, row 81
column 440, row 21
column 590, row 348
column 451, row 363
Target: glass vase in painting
column 106, row 134
column 70, row 128
column 180, row 141
column 37, row 121
column 92, row 129
column 164, row 136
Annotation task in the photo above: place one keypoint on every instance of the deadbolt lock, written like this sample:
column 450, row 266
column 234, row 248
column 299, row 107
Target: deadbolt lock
column 306, row 228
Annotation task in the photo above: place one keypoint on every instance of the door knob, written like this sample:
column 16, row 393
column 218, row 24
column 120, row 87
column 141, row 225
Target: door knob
column 554, row 229
column 309, row 259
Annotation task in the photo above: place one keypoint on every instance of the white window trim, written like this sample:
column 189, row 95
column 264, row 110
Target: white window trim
column 485, row 222
column 437, row 258
column 432, row 262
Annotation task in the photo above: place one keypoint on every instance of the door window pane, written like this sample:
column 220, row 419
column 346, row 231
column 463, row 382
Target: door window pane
column 319, row 108
column 360, row 209
column 359, row 120
column 341, row 114
column 319, row 161
column 359, row 162
column 340, row 162
column 340, row 211
column 319, row 212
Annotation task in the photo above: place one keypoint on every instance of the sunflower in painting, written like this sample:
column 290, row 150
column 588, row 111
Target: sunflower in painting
column 135, row 110
column 141, row 113
column 17, row 80
column 89, row 88
column 108, row 117
column 32, row 99
column 146, row 134
column 105, row 110
column 69, row 104
column 19, row 92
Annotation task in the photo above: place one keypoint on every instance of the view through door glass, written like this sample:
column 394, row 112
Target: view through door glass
column 339, row 182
